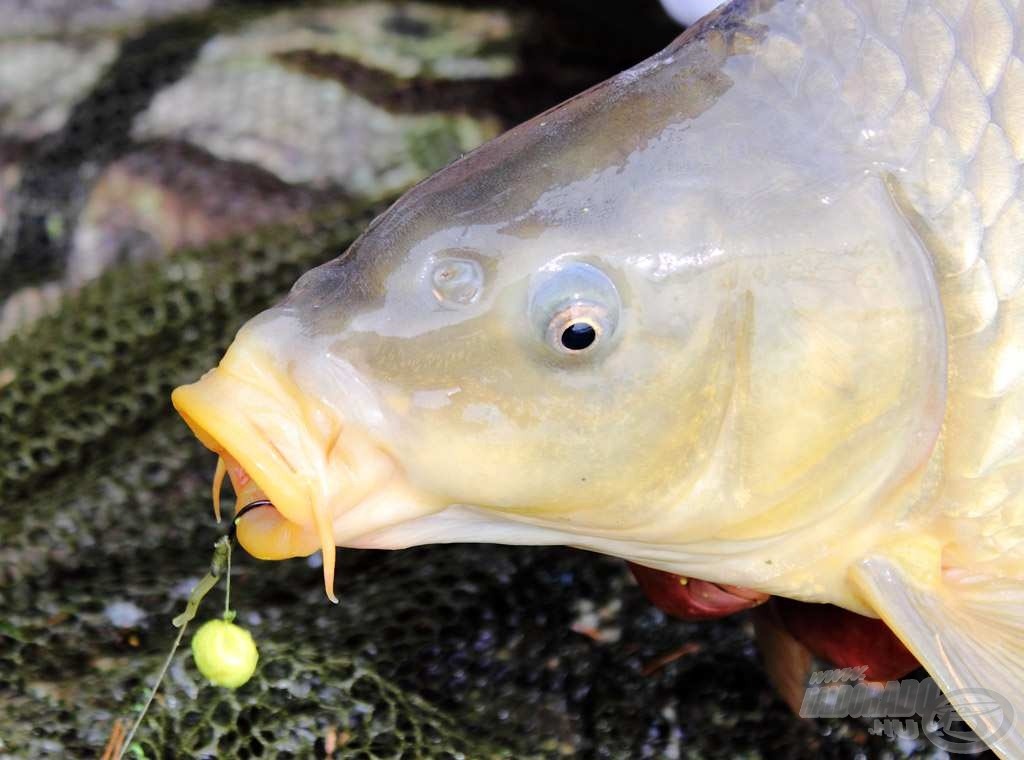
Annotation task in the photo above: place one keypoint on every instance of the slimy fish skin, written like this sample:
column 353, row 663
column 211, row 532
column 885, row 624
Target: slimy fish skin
column 750, row 312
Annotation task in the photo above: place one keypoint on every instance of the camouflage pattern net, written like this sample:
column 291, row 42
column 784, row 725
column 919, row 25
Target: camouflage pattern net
column 105, row 520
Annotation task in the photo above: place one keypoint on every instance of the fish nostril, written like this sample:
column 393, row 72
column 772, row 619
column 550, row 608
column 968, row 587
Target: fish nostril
column 457, row 282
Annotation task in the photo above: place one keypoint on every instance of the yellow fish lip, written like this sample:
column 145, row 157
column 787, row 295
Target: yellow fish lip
column 327, row 482
column 213, row 408
column 256, row 472
column 249, row 413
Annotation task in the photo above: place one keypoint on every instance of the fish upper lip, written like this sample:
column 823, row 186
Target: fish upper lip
column 227, row 432
column 206, row 408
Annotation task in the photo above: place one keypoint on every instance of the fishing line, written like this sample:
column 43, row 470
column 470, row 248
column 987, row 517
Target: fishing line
column 220, row 565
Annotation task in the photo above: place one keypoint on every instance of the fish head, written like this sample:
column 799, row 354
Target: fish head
column 594, row 332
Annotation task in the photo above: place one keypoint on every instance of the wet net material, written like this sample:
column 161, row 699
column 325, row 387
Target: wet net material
column 167, row 169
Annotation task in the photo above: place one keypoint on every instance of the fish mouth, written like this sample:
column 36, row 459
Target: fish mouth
column 265, row 532
column 219, row 410
column 325, row 482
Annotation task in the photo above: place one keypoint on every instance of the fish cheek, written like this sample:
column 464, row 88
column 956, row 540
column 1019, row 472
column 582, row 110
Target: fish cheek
column 466, row 406
column 483, row 411
column 601, row 440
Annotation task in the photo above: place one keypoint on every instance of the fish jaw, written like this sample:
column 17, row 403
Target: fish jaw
column 326, row 481
column 265, row 533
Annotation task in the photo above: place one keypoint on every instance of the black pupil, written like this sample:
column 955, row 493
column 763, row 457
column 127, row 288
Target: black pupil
column 578, row 336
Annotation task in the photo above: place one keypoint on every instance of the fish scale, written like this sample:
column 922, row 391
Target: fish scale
column 945, row 82
column 936, row 91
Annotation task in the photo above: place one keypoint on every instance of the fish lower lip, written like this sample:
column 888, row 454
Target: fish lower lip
column 253, row 505
column 264, row 532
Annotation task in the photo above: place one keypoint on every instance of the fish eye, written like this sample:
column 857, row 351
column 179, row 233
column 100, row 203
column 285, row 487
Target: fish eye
column 576, row 308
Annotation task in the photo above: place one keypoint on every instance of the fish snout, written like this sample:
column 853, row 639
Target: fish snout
column 245, row 411
column 325, row 481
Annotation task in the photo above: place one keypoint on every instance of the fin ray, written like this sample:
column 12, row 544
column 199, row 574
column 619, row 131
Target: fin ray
column 968, row 631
